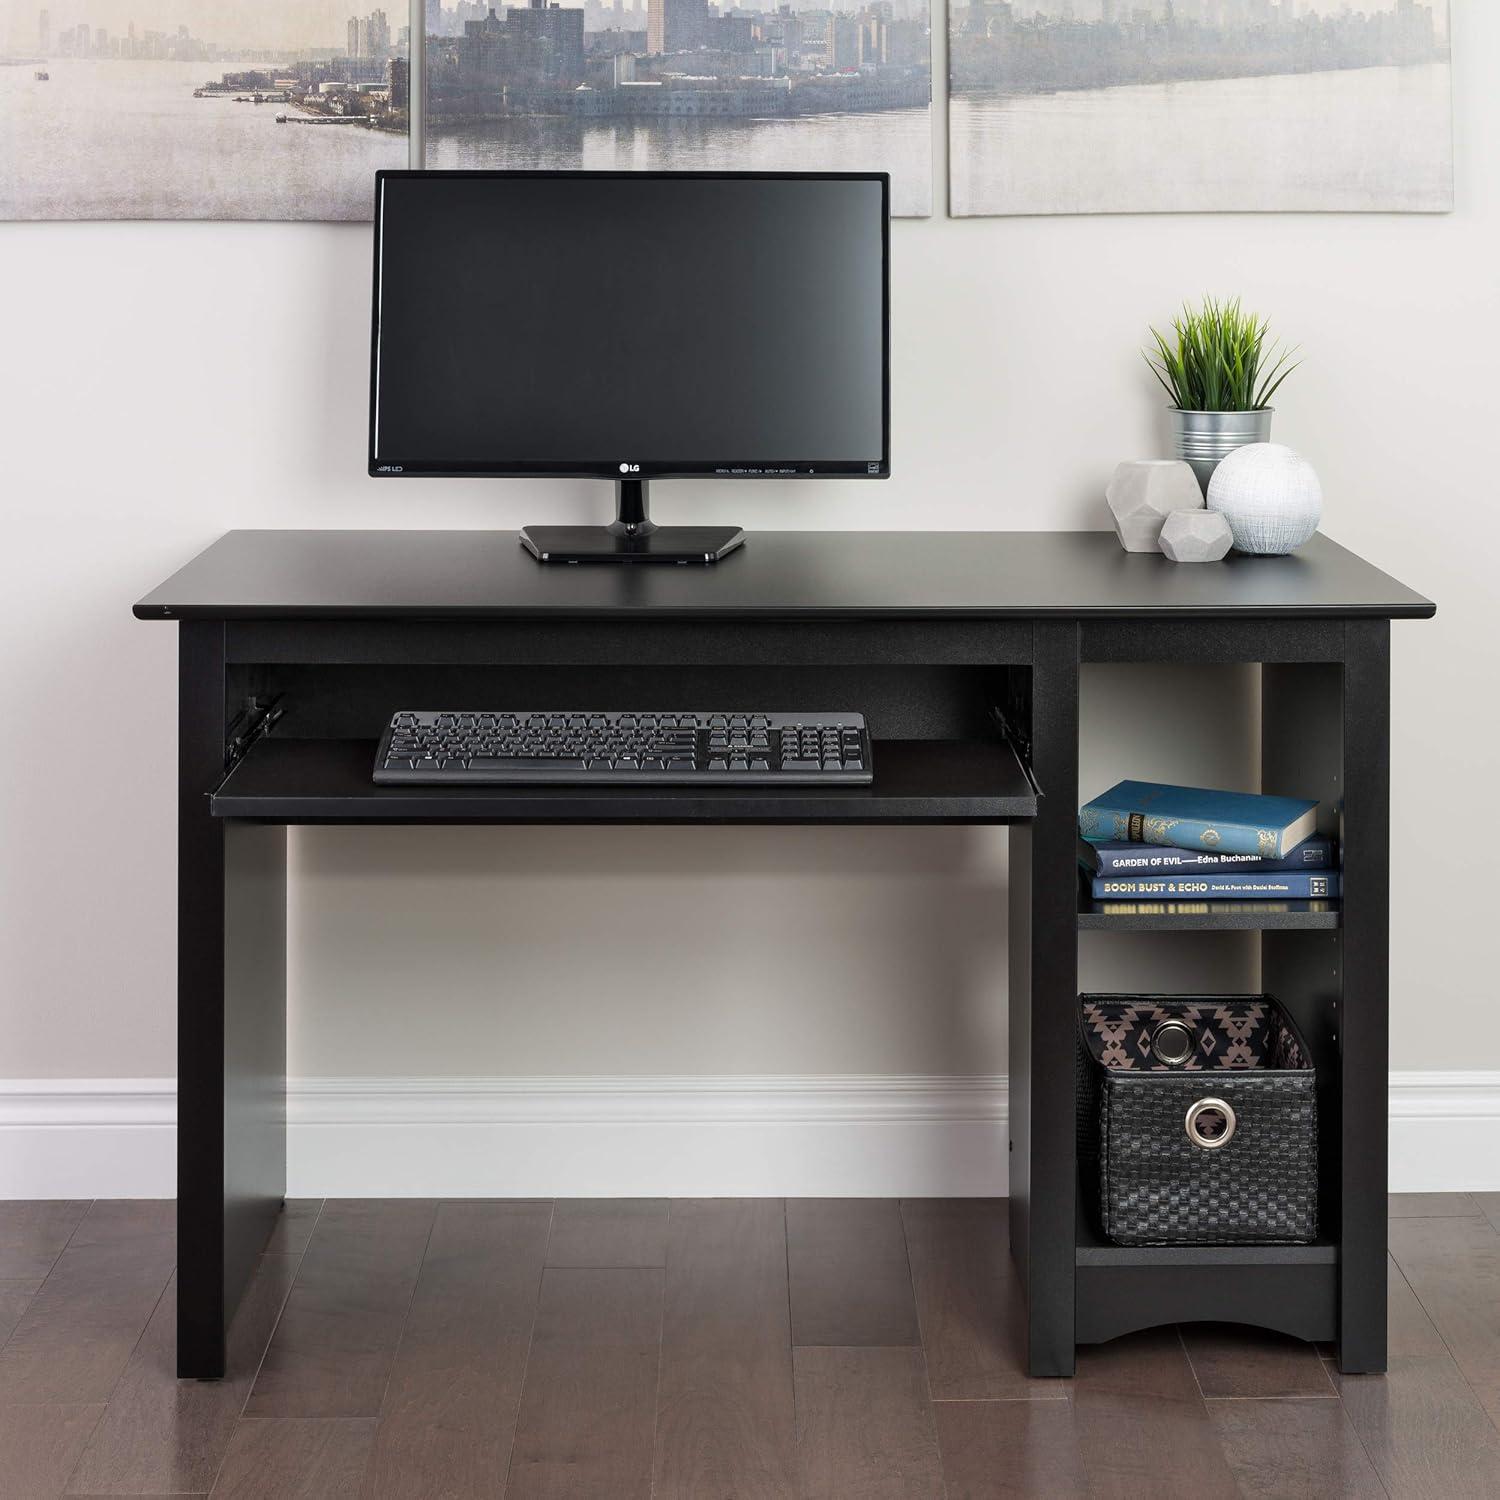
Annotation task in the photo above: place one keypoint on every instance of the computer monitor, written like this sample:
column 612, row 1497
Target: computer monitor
column 631, row 326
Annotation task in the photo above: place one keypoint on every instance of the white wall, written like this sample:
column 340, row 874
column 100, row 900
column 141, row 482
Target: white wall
column 162, row 382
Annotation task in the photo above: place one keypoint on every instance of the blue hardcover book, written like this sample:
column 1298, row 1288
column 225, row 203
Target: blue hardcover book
column 1288, row 885
column 1150, row 859
column 1143, row 812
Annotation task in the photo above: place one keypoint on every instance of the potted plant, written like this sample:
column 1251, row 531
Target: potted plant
column 1221, row 370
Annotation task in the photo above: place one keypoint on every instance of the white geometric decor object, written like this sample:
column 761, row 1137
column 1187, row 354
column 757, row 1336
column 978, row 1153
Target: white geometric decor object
column 1269, row 495
column 1143, row 493
column 1191, row 536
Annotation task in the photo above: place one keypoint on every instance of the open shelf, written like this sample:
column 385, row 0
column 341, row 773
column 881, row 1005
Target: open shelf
column 1120, row 1289
column 916, row 781
column 1206, row 916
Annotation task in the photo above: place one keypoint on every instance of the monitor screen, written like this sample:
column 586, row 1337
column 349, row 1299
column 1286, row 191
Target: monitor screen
column 654, row 323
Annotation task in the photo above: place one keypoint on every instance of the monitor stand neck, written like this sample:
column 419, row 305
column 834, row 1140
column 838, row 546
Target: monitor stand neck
column 632, row 509
column 632, row 537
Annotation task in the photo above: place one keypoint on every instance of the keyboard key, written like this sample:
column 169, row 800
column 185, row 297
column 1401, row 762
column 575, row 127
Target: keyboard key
column 525, row 763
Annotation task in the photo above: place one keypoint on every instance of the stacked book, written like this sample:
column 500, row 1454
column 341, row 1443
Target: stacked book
column 1140, row 841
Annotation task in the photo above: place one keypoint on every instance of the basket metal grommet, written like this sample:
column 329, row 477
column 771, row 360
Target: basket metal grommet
column 1172, row 1043
column 1201, row 1122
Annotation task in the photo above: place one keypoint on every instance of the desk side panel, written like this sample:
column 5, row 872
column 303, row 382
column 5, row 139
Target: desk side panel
column 1043, row 997
column 231, row 1021
column 1364, row 1036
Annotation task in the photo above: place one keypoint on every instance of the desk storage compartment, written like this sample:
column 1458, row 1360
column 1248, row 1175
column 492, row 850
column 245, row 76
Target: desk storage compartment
column 1198, row 1120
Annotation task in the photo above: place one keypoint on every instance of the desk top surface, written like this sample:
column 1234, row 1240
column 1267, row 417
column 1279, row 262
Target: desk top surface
column 790, row 574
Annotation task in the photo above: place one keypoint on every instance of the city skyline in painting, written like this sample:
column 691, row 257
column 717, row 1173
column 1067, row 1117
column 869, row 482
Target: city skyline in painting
column 199, row 109
column 684, row 84
column 1099, row 106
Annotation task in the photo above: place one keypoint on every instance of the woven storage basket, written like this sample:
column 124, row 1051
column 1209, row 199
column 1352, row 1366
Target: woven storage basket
column 1219, row 1148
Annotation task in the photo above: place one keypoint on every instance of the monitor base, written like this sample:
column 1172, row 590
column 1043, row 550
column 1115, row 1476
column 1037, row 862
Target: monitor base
column 632, row 537
column 604, row 544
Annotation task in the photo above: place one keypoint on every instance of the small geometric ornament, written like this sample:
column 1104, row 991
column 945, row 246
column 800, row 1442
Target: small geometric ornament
column 1143, row 493
column 1191, row 536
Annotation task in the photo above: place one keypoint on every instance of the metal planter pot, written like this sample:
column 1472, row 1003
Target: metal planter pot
column 1203, row 438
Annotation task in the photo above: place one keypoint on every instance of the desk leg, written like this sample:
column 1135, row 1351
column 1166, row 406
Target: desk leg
column 231, row 1022
column 1043, row 998
column 1326, row 734
column 1364, row 1029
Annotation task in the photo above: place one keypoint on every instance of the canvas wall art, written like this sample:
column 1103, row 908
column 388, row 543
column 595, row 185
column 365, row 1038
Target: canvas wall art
column 684, row 85
column 1199, row 106
column 199, row 109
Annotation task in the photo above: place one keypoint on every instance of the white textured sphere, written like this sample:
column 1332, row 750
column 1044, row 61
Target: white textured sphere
column 1269, row 495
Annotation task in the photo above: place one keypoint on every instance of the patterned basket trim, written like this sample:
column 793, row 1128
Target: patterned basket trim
column 1231, row 1032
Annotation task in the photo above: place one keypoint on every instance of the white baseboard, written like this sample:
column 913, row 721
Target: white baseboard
column 651, row 1136
column 1445, row 1132
column 637, row 1136
column 88, row 1137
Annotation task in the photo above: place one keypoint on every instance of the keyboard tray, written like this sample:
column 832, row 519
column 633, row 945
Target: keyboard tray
column 284, row 780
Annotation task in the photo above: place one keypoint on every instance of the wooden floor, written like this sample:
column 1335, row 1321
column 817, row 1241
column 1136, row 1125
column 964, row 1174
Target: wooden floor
column 703, row 1349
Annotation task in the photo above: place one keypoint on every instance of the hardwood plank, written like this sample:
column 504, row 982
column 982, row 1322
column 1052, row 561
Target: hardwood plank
column 296, row 1458
column 969, row 1303
column 332, row 1351
column 161, row 1434
column 850, row 1280
column 39, row 1444
column 1142, row 1426
column 1453, row 1266
column 1489, row 1205
column 1433, row 1206
column 1411, row 1334
column 725, row 1411
column 75, row 1337
column 1010, row 1450
column 1423, row 1427
column 864, row 1425
column 137, row 1223
column 15, row 1298
column 450, row 1409
column 1294, row 1450
column 1229, row 1360
column 605, row 1232
column 33, row 1233
column 588, row 1421
column 295, row 1226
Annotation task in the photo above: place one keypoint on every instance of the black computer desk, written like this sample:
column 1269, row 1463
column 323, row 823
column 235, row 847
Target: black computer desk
column 964, row 650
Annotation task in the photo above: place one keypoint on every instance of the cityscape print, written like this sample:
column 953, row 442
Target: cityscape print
column 284, row 109
column 684, row 85
column 1160, row 106
column 200, row 109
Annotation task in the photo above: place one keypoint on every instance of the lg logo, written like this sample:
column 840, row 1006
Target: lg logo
column 630, row 468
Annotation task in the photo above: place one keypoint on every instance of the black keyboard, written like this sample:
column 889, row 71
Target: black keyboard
column 624, row 748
